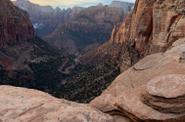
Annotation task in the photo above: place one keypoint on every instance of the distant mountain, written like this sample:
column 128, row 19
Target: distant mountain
column 13, row 22
column 126, row 6
column 88, row 29
column 75, row 30
column 45, row 19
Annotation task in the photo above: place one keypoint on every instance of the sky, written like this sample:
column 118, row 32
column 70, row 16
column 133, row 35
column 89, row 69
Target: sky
column 72, row 3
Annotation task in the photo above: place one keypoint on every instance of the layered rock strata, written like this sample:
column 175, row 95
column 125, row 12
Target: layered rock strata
column 166, row 94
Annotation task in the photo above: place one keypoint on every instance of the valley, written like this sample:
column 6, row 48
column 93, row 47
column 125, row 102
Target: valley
column 115, row 62
column 52, row 62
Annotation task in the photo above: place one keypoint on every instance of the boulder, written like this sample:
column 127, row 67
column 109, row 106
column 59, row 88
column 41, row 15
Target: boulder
column 170, row 86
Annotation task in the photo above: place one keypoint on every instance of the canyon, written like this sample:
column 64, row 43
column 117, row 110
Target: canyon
column 83, row 29
column 146, row 54
column 45, row 19
column 75, row 30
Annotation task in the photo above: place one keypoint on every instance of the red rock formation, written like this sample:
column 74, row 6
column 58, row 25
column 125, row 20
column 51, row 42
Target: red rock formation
column 151, row 90
column 152, row 27
column 14, row 24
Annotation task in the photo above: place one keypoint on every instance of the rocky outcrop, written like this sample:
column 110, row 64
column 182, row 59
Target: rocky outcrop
column 12, row 23
column 151, row 90
column 19, row 104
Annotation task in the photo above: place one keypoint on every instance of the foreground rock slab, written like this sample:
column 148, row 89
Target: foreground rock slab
column 151, row 90
column 24, row 105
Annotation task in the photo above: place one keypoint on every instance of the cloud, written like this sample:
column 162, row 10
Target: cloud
column 71, row 3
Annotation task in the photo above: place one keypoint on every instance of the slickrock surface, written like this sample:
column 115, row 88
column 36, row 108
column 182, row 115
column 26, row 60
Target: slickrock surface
column 171, row 86
column 151, row 90
column 24, row 105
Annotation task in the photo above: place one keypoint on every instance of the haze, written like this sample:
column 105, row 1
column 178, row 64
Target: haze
column 72, row 3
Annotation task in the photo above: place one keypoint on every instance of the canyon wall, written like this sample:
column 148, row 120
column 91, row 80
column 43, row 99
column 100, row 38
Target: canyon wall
column 14, row 25
column 152, row 27
column 152, row 90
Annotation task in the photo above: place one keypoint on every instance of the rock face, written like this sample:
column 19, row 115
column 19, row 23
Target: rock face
column 151, row 90
column 19, row 104
column 153, row 25
column 13, row 22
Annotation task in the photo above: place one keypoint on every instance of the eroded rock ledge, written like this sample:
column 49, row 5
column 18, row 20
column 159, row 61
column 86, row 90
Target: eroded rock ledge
column 25, row 105
column 151, row 90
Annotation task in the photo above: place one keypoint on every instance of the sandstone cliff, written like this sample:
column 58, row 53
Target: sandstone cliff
column 14, row 25
column 153, row 26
